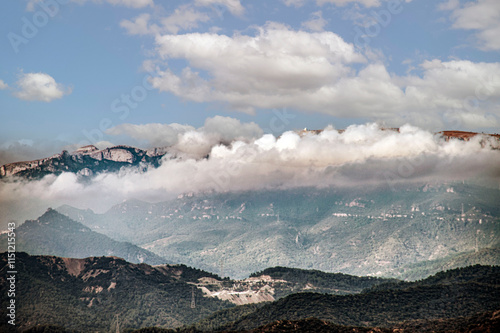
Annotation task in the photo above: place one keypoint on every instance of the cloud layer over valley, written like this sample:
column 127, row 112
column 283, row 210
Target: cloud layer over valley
column 241, row 158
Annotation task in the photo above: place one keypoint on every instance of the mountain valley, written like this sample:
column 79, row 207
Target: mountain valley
column 379, row 232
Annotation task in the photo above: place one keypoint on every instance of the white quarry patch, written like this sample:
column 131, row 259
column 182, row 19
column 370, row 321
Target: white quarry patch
column 251, row 290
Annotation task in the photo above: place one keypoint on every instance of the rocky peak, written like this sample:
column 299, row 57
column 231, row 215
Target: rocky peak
column 85, row 162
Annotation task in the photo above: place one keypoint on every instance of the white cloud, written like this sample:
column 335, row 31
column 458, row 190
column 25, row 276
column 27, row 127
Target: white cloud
column 126, row 3
column 39, row 87
column 129, row 3
column 482, row 16
column 28, row 150
column 316, row 23
column 185, row 139
column 449, row 5
column 460, row 89
column 473, row 120
column 246, row 71
column 234, row 6
column 183, row 18
column 315, row 72
column 295, row 3
column 366, row 3
column 362, row 155
column 156, row 135
column 230, row 129
column 340, row 3
column 140, row 25
column 3, row 85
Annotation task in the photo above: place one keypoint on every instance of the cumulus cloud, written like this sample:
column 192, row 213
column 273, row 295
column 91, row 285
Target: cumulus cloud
column 39, row 87
column 464, row 88
column 234, row 6
column 140, row 25
column 126, row 3
column 482, row 16
column 295, row 3
column 255, row 71
column 316, row 23
column 185, row 139
column 449, row 5
column 230, row 129
column 184, row 17
column 3, row 85
column 272, row 70
column 28, row 150
column 156, row 135
column 130, row 3
column 340, row 3
column 361, row 155
column 366, row 3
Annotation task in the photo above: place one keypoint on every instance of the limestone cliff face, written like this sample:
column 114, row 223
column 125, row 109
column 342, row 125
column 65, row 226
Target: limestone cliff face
column 85, row 161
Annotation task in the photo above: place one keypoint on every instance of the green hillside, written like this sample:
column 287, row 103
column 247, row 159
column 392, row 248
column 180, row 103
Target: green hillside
column 420, row 270
column 461, row 292
column 87, row 294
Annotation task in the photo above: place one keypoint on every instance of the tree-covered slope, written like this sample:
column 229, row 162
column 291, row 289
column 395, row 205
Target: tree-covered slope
column 461, row 292
column 87, row 294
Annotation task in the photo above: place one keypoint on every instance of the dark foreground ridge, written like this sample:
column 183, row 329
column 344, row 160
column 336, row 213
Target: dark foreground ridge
column 459, row 292
column 86, row 295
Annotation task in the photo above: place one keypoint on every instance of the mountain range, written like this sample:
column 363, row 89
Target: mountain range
column 89, row 161
column 354, row 258
column 93, row 290
column 402, row 232
column 56, row 234
column 86, row 294
column 86, row 161
column 407, row 230
column 97, row 293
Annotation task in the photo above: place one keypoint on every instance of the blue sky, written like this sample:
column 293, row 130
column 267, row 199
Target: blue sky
column 433, row 64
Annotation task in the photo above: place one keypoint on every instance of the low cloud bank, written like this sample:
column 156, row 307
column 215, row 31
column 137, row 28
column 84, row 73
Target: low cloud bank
column 361, row 155
column 189, row 141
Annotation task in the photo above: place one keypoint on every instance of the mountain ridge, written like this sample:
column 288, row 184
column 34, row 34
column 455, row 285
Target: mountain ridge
column 353, row 231
column 88, row 160
column 384, row 308
column 85, row 161
column 93, row 290
column 56, row 234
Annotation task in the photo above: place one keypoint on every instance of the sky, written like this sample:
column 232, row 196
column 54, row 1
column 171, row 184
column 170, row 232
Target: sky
column 76, row 72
